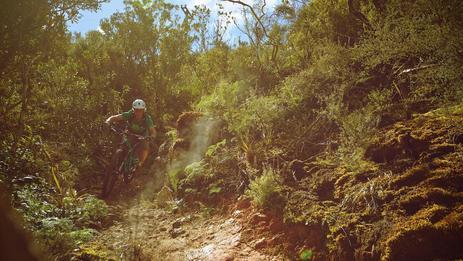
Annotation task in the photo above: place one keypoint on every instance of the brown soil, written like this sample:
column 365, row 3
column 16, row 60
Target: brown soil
column 146, row 232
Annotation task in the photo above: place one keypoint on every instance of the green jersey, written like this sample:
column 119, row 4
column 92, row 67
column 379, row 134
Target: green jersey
column 138, row 127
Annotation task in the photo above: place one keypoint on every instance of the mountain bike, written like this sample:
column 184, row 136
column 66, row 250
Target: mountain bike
column 123, row 161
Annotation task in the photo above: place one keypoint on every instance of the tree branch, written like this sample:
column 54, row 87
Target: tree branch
column 357, row 13
column 186, row 11
column 244, row 32
column 258, row 18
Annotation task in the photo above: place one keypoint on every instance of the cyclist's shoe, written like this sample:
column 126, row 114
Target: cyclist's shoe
column 135, row 165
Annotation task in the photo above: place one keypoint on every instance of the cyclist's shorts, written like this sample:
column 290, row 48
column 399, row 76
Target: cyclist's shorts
column 144, row 145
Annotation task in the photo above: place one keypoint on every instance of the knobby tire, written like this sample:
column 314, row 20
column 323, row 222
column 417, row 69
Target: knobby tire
column 111, row 174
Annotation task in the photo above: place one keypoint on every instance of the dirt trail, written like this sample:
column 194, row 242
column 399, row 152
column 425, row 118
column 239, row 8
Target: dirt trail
column 146, row 232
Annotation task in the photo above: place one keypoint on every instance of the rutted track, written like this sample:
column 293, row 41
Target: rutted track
column 146, row 232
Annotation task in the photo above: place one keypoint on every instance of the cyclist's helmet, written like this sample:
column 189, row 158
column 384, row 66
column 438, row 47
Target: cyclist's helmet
column 139, row 104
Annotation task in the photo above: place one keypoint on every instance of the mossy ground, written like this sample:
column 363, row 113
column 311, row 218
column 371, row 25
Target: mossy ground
column 408, row 206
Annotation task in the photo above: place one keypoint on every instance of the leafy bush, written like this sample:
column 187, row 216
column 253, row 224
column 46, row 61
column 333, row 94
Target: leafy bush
column 215, row 176
column 266, row 191
column 60, row 236
column 54, row 234
column 175, row 174
column 33, row 202
column 60, row 223
column 86, row 210
column 194, row 169
column 225, row 99
column 413, row 54
column 356, row 130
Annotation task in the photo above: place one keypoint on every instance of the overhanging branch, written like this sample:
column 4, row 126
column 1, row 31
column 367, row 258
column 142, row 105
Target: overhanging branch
column 258, row 18
column 353, row 10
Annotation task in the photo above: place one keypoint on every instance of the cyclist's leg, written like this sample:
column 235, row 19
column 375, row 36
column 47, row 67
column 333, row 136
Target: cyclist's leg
column 121, row 151
column 142, row 152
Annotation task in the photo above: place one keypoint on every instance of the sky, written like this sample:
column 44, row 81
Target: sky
column 91, row 20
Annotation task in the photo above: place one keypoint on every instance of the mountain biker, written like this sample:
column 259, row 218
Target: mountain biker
column 139, row 123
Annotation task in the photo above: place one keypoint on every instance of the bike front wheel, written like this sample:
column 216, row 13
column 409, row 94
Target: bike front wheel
column 111, row 173
column 128, row 176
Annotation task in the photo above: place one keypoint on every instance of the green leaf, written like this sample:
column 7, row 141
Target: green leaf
column 306, row 254
column 214, row 190
column 213, row 148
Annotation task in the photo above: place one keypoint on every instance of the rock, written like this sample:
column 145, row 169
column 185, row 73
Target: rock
column 164, row 196
column 237, row 214
column 261, row 243
column 177, row 223
column 259, row 217
column 275, row 226
column 275, row 240
column 175, row 232
column 243, row 203
column 180, row 221
column 297, row 168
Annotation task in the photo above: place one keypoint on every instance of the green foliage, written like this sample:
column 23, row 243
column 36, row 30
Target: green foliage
column 86, row 210
column 224, row 100
column 54, row 235
column 33, row 203
column 60, row 223
column 306, row 255
column 315, row 86
column 266, row 191
column 356, row 131
column 194, row 170
column 318, row 23
column 213, row 189
column 23, row 156
column 175, row 175
column 417, row 49
column 211, row 150
column 82, row 235
column 214, row 176
column 59, row 236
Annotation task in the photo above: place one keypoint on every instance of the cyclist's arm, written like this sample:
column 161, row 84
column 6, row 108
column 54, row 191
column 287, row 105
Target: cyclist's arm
column 114, row 118
column 150, row 125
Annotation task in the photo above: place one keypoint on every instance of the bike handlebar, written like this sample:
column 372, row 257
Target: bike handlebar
column 126, row 132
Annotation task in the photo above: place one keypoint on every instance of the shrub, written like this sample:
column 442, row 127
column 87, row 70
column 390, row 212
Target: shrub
column 194, row 171
column 356, row 130
column 54, row 235
column 266, row 190
column 89, row 211
column 59, row 222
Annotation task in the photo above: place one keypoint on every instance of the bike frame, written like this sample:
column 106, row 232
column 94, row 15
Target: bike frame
column 125, row 160
column 129, row 158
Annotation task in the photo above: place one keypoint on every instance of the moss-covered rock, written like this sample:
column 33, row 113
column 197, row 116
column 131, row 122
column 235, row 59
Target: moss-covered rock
column 408, row 207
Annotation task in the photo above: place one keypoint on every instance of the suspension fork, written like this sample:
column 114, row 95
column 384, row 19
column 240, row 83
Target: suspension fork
column 129, row 158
